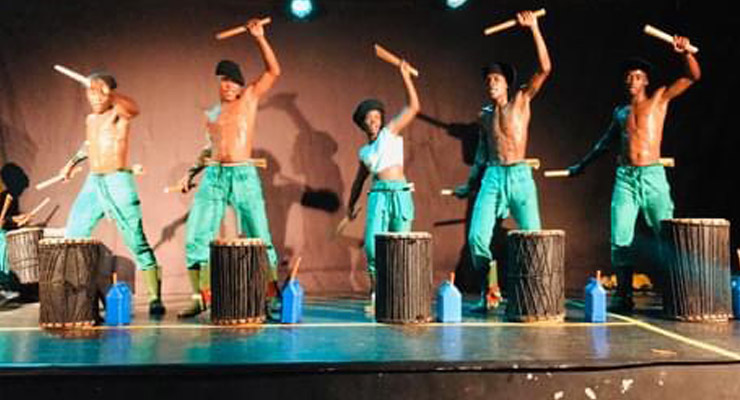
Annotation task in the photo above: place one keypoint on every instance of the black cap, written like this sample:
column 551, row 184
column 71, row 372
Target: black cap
column 363, row 108
column 507, row 70
column 231, row 70
column 105, row 77
column 634, row 63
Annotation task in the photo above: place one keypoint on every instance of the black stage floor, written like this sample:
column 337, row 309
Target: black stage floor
column 340, row 352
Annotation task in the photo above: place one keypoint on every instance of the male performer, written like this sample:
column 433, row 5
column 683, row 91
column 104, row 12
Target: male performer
column 230, row 177
column 640, row 184
column 15, row 182
column 390, row 207
column 110, row 189
column 507, row 183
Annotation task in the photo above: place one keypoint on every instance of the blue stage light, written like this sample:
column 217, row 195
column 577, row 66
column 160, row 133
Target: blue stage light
column 456, row 3
column 301, row 8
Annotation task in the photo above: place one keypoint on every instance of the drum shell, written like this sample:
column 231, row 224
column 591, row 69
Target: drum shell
column 696, row 260
column 404, row 277
column 23, row 253
column 67, row 289
column 535, row 277
column 238, row 282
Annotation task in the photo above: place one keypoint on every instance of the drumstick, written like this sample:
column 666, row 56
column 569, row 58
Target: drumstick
column 658, row 34
column 557, row 173
column 533, row 162
column 668, row 162
column 6, row 206
column 137, row 169
column 389, row 57
column 39, row 207
column 240, row 29
column 56, row 179
column 85, row 81
column 343, row 223
column 447, row 192
column 510, row 23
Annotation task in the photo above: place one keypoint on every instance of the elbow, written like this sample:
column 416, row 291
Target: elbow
column 546, row 69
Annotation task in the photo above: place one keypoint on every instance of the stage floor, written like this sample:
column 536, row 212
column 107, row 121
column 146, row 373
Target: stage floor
column 337, row 334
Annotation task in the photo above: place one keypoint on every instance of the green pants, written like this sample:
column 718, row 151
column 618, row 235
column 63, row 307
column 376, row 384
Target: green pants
column 112, row 195
column 503, row 189
column 4, row 265
column 390, row 208
column 238, row 186
column 637, row 189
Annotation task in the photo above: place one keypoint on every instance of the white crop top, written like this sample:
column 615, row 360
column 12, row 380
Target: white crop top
column 386, row 151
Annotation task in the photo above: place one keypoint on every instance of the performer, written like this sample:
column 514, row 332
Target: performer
column 507, row 183
column 390, row 207
column 230, row 177
column 110, row 189
column 640, row 184
column 15, row 182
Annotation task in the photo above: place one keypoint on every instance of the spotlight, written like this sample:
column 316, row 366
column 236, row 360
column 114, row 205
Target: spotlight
column 301, row 8
column 455, row 3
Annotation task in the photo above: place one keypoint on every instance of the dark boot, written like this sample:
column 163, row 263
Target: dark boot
column 154, row 287
column 622, row 301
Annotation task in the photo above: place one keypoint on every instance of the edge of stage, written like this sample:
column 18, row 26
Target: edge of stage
column 338, row 351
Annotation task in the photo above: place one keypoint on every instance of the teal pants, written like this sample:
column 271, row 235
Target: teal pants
column 112, row 195
column 503, row 189
column 239, row 187
column 390, row 208
column 637, row 189
column 4, row 265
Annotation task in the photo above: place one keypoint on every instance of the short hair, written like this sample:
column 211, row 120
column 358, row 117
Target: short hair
column 365, row 107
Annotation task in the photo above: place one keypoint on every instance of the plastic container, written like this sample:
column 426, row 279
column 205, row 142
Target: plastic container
column 595, row 297
column 292, row 298
column 118, row 304
column 449, row 302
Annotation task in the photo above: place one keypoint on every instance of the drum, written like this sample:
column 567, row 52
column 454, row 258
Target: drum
column 239, row 271
column 696, row 259
column 23, row 253
column 67, row 291
column 535, row 277
column 404, row 277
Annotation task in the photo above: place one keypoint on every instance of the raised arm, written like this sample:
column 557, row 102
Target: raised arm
column 409, row 112
column 527, row 19
column 692, row 72
column 354, row 194
column 601, row 146
column 272, row 67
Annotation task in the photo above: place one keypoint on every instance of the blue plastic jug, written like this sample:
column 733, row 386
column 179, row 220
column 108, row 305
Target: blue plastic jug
column 449, row 302
column 118, row 304
column 595, row 297
column 735, row 283
column 292, row 307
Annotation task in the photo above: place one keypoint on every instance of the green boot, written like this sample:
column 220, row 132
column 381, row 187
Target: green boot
column 197, row 306
column 154, row 287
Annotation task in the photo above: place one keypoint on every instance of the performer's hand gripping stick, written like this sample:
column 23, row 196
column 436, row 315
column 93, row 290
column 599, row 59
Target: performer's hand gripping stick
column 509, row 24
column 389, row 57
column 240, row 29
column 658, row 34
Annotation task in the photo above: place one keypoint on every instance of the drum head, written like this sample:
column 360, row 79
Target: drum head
column 69, row 241
column 238, row 242
column 405, row 235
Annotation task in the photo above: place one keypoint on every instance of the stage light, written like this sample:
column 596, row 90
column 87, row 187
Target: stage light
column 455, row 3
column 301, row 8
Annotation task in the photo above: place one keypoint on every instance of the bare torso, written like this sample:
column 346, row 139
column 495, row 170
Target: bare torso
column 107, row 136
column 641, row 126
column 507, row 128
column 232, row 132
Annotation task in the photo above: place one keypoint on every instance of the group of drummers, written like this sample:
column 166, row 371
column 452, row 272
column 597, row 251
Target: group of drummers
column 500, row 176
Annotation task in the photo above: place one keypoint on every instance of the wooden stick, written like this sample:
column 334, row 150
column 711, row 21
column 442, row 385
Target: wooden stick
column 557, row 173
column 447, row 192
column 533, row 162
column 344, row 222
column 56, row 179
column 389, row 57
column 85, row 81
column 658, row 34
column 510, row 23
column 6, row 206
column 668, row 162
column 294, row 270
column 240, row 29
column 39, row 207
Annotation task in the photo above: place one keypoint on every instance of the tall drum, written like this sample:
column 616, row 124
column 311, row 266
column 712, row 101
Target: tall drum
column 67, row 290
column 23, row 253
column 404, row 277
column 535, row 277
column 238, row 281
column 697, row 263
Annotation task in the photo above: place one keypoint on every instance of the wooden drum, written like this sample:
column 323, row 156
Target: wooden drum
column 697, row 264
column 404, row 277
column 239, row 272
column 67, row 290
column 23, row 253
column 535, row 278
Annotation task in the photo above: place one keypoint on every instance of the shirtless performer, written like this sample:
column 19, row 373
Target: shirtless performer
column 640, row 184
column 109, row 188
column 230, row 177
column 390, row 207
column 507, row 183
